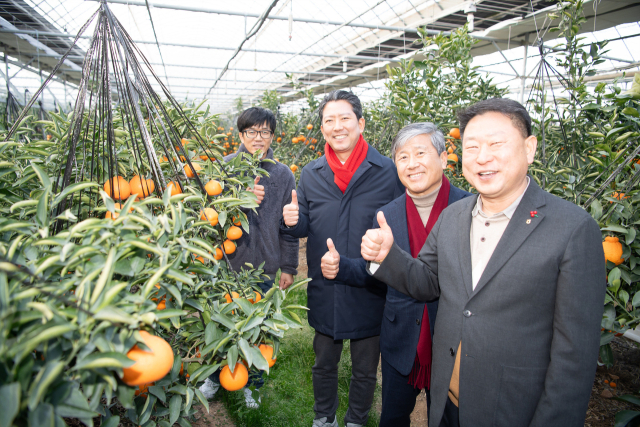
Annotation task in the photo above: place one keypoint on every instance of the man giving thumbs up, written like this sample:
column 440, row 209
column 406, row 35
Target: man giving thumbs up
column 334, row 204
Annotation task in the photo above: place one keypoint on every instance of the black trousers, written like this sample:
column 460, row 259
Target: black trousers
column 398, row 398
column 365, row 354
column 451, row 416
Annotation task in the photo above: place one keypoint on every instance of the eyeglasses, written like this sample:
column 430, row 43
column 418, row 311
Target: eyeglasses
column 251, row 134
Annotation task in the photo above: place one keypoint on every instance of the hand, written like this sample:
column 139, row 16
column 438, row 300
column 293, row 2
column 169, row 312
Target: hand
column 290, row 212
column 330, row 261
column 258, row 190
column 286, row 280
column 377, row 242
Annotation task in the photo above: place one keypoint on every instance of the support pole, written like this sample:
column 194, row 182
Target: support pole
column 523, row 77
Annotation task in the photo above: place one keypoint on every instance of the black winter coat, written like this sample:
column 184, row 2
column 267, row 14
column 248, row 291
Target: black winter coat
column 335, row 309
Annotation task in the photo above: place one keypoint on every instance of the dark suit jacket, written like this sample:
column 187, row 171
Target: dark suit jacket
column 402, row 314
column 530, row 330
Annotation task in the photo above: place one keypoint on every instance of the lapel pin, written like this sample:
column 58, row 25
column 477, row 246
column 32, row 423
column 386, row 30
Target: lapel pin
column 533, row 214
column 528, row 221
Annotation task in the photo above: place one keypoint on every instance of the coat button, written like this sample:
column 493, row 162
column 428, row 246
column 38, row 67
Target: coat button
column 466, row 313
column 453, row 353
column 417, row 321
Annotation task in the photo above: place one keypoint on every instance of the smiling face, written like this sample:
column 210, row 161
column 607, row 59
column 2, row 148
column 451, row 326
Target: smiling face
column 341, row 128
column 495, row 158
column 419, row 165
column 259, row 142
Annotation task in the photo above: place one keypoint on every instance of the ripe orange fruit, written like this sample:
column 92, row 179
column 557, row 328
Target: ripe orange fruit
column 213, row 188
column 619, row 196
column 293, row 168
column 218, row 255
column 236, row 380
column 283, row 134
column 257, row 298
column 191, row 171
column 453, row 157
column 229, row 247
column 309, row 126
column 143, row 389
column 229, row 298
column 294, row 140
column 279, row 139
column 267, row 353
column 201, row 259
column 236, row 221
column 184, row 141
column 612, row 250
column 234, row 233
column 612, row 384
column 141, row 187
column 115, row 214
column 162, row 305
column 454, row 133
column 209, row 214
column 175, row 188
column 151, row 365
column 121, row 189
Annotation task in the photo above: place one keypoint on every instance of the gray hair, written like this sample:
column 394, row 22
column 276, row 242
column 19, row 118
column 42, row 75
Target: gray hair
column 417, row 129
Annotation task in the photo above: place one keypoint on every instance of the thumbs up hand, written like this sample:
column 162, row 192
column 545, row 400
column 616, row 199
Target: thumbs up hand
column 377, row 242
column 258, row 190
column 291, row 211
column 330, row 261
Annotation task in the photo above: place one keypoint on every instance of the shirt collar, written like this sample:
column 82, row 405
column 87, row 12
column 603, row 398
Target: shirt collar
column 508, row 212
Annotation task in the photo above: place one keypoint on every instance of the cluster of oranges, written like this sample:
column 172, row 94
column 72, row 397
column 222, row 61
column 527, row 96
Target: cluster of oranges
column 233, row 233
column 233, row 381
column 452, row 156
column 118, row 188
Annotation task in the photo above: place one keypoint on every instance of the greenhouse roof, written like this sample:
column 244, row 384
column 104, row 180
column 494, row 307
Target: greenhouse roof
column 201, row 50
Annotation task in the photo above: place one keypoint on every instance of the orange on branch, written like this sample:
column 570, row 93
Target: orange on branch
column 234, row 233
column 293, row 168
column 213, row 188
column 229, row 247
column 191, row 171
column 454, row 133
column 140, row 186
column 236, row 380
column 121, row 189
column 612, row 250
column 230, row 298
column 218, row 255
column 151, row 365
column 267, row 353
column 309, row 126
column 175, row 188
column 209, row 214
column 256, row 299
column 453, row 157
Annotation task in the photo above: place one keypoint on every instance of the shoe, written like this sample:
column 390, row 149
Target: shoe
column 249, row 400
column 209, row 388
column 322, row 422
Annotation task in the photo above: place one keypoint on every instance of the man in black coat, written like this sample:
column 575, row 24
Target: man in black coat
column 337, row 197
column 420, row 155
column 520, row 275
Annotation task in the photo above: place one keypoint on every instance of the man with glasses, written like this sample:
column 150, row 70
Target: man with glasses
column 264, row 242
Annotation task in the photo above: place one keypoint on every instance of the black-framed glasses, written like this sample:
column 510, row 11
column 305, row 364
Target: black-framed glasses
column 251, row 133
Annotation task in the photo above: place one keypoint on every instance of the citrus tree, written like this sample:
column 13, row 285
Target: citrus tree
column 77, row 303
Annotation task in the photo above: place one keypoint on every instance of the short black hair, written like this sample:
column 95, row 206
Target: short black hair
column 256, row 116
column 510, row 108
column 341, row 95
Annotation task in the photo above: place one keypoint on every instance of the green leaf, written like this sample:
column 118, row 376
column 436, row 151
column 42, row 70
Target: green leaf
column 10, row 398
column 630, row 111
column 72, row 189
column 43, row 380
column 42, row 175
column 174, row 408
column 614, row 275
column 42, row 209
column 246, row 351
column 221, row 318
column 631, row 235
column 170, row 312
column 104, row 360
column 630, row 399
column 211, row 331
column 158, row 392
column 624, row 418
column 232, row 357
column 202, row 399
column 606, row 354
column 42, row 416
column 113, row 421
column 126, row 395
column 636, row 300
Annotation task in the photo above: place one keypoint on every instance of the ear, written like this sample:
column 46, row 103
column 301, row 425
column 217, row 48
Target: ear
column 443, row 159
column 531, row 144
column 361, row 122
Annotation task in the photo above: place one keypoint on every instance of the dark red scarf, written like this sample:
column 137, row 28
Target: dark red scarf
column 420, row 376
column 342, row 174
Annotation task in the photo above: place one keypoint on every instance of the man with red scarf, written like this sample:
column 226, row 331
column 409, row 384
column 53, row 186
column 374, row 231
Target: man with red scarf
column 420, row 155
column 337, row 197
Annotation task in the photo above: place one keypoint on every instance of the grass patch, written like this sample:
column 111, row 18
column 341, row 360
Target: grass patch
column 287, row 396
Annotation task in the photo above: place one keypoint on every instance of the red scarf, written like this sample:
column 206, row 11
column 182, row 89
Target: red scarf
column 420, row 376
column 342, row 174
